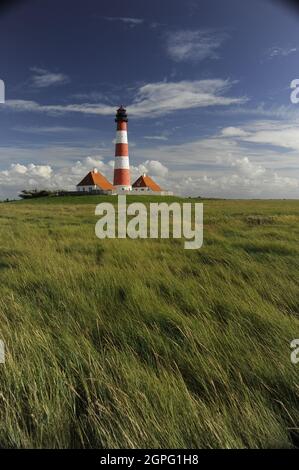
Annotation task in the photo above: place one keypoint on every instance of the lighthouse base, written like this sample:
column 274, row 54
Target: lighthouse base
column 120, row 189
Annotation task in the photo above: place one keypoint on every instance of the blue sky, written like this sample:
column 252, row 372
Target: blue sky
column 206, row 84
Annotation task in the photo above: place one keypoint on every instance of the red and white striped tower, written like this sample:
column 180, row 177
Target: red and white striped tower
column 122, row 181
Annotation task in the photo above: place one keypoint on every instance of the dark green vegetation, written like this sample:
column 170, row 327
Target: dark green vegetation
column 96, row 199
column 34, row 193
column 123, row 343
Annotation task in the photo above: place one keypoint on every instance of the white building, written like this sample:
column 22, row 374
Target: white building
column 94, row 181
column 146, row 185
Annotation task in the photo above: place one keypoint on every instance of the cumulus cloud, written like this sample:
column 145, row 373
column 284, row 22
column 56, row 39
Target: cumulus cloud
column 225, row 166
column 153, row 167
column 18, row 176
column 86, row 165
column 234, row 176
column 248, row 169
column 194, row 45
column 212, row 167
column 151, row 100
column 43, row 78
column 233, row 132
column 42, row 171
column 236, row 186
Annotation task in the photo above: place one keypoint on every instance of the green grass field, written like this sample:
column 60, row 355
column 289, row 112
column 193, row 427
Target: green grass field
column 140, row 343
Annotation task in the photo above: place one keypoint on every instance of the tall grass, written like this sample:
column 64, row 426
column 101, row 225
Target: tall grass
column 140, row 343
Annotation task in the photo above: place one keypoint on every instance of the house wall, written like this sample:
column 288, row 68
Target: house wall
column 142, row 190
column 87, row 188
column 150, row 191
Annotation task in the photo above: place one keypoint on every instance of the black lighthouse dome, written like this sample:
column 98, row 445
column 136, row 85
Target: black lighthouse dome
column 121, row 114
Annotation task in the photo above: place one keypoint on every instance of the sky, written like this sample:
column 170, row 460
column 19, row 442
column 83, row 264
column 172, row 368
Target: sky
column 206, row 84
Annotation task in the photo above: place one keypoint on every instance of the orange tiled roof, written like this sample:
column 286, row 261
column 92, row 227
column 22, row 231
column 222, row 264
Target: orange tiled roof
column 95, row 178
column 145, row 181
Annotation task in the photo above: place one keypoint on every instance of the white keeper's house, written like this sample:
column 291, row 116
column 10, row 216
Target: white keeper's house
column 94, row 181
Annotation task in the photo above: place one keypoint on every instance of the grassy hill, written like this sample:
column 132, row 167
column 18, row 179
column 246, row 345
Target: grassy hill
column 140, row 343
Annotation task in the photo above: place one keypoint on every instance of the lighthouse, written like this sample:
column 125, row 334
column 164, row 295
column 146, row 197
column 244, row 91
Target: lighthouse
column 122, row 181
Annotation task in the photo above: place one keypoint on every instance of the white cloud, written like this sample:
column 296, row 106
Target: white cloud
column 151, row 100
column 236, row 186
column 226, row 166
column 158, row 99
column 233, row 132
column 91, row 96
column 279, row 134
column 22, row 169
column 218, row 166
column 18, row 176
column 233, row 175
column 281, row 51
column 47, row 129
column 42, row 171
column 153, row 167
column 124, row 19
column 261, row 111
column 33, row 106
column 246, row 168
column 282, row 134
column 42, row 78
column 155, row 137
column 62, row 155
column 194, row 45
